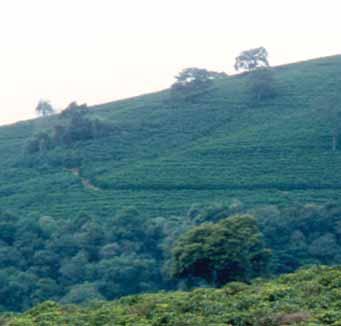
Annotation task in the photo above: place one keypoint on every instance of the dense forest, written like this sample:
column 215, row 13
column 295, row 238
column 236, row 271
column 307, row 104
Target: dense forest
column 83, row 259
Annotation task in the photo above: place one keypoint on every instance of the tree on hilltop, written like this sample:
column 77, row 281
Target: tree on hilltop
column 192, row 79
column 74, row 110
column 44, row 108
column 261, row 78
column 252, row 59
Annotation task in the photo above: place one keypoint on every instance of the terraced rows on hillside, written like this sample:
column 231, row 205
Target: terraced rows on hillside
column 168, row 154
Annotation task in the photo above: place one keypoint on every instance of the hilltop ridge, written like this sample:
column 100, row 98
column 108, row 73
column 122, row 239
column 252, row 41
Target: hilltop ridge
column 167, row 155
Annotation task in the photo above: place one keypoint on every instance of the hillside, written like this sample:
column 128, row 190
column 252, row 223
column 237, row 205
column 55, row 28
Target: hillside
column 308, row 297
column 167, row 155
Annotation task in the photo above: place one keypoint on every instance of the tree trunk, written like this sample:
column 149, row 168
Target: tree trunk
column 334, row 142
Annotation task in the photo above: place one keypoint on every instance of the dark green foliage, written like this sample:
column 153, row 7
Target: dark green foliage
column 302, row 235
column 262, row 84
column 44, row 108
column 227, row 251
column 81, row 293
column 252, row 59
column 74, row 111
column 76, row 260
column 298, row 235
column 79, row 127
column 41, row 143
column 193, row 81
column 308, row 297
column 214, row 212
column 76, row 127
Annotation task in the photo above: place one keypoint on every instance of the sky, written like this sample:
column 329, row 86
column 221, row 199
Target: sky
column 97, row 51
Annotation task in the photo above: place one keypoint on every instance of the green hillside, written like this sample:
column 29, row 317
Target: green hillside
column 140, row 195
column 167, row 154
column 308, row 297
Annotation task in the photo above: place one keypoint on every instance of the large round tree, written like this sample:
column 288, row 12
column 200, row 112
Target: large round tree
column 252, row 59
column 231, row 250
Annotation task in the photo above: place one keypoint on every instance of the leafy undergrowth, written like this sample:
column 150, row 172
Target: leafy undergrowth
column 307, row 297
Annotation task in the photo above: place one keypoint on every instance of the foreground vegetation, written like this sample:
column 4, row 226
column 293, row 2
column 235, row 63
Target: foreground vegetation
column 308, row 297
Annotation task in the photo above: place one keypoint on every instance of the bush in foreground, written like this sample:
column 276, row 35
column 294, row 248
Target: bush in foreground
column 307, row 297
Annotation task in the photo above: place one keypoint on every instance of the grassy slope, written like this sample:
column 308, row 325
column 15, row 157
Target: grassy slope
column 166, row 156
column 311, row 297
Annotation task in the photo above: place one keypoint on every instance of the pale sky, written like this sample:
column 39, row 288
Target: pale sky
column 96, row 51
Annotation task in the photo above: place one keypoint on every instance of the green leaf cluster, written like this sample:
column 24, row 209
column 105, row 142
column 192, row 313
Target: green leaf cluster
column 309, row 297
column 230, row 250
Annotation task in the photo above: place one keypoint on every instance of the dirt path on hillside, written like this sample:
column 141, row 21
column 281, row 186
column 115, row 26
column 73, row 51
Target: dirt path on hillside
column 85, row 182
